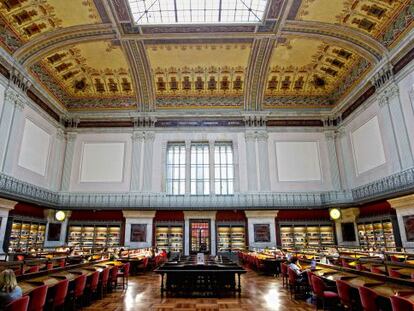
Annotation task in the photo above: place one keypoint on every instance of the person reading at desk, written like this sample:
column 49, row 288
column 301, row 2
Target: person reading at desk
column 9, row 290
column 295, row 266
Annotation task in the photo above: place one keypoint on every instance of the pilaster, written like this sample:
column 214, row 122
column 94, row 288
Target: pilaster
column 67, row 165
column 348, row 215
column 5, row 207
column 137, row 169
column 250, row 137
column 148, row 159
column 211, row 167
column 263, row 159
column 404, row 207
column 57, row 168
column 331, row 140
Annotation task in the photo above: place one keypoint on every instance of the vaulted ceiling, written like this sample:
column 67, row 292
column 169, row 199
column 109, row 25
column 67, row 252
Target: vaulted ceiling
column 90, row 55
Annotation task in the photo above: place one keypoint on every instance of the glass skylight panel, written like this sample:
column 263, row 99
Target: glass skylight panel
column 197, row 11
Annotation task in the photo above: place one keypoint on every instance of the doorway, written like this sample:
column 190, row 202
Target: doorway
column 200, row 237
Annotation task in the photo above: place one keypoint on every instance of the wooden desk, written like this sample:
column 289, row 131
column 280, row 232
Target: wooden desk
column 359, row 281
column 388, row 290
column 405, row 271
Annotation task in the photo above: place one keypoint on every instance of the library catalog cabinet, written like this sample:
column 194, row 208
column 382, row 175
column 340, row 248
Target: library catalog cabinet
column 380, row 233
column 231, row 237
column 169, row 236
column 25, row 234
column 306, row 234
column 94, row 235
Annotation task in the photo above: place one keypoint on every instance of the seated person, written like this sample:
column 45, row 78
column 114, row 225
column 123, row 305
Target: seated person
column 295, row 266
column 9, row 290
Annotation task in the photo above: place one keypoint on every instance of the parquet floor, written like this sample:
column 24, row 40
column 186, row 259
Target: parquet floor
column 259, row 293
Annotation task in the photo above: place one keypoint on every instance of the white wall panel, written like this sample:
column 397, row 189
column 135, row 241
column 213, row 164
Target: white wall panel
column 34, row 150
column 298, row 161
column 367, row 146
column 102, row 162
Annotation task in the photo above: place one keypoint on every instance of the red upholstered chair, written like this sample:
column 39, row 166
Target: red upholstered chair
column 33, row 269
column 394, row 258
column 38, row 298
column 284, row 270
column 368, row 299
column 80, row 284
column 412, row 275
column 344, row 293
column 20, row 257
column 292, row 282
column 92, row 285
column 394, row 274
column 320, row 291
column 360, row 267
column 143, row 265
column 18, row 304
column 62, row 263
column 49, row 266
column 376, row 270
column 113, row 277
column 104, row 282
column 399, row 303
column 345, row 264
column 124, row 274
column 61, row 290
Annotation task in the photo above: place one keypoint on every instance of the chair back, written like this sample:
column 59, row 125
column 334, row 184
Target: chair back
column 394, row 258
column 62, row 263
column 309, row 274
column 33, row 269
column 20, row 257
column 399, row 303
column 284, row 269
column 94, row 280
column 292, row 276
column 18, row 304
column 126, row 268
column 394, row 273
column 105, row 275
column 61, row 290
column 368, row 298
column 49, row 266
column 318, row 286
column 345, row 264
column 38, row 298
column 376, row 270
column 114, row 273
column 80, row 284
column 344, row 292
column 412, row 275
column 145, row 262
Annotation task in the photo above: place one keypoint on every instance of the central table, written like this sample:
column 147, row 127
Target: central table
column 208, row 279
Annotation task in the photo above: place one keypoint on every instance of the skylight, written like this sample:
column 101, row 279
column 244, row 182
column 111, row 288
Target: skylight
column 147, row 12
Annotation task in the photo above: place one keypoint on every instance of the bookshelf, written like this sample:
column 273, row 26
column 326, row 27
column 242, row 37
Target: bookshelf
column 231, row 238
column 27, row 235
column 302, row 236
column 377, row 234
column 94, row 235
column 169, row 237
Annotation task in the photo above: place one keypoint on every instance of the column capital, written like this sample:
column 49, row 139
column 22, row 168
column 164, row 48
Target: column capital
column 262, row 135
column 250, row 135
column 150, row 135
column 137, row 136
column 71, row 136
column 14, row 97
column 387, row 93
column 7, row 204
column 60, row 134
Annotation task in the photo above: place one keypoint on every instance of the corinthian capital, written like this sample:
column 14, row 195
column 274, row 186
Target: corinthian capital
column 137, row 136
column 13, row 96
column 387, row 94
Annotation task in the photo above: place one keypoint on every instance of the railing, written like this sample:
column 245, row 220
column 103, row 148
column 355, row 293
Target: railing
column 398, row 183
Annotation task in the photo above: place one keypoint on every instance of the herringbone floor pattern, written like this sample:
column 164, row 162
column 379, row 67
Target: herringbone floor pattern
column 259, row 293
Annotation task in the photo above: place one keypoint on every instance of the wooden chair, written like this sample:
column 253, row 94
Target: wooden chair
column 38, row 298
column 321, row 293
column 399, row 303
column 20, row 304
column 368, row 299
column 344, row 293
column 61, row 290
column 124, row 274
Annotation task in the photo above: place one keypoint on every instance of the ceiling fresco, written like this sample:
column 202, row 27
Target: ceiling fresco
column 91, row 56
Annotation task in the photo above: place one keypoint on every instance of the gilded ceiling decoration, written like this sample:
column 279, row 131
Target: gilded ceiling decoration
column 308, row 67
column 209, row 73
column 373, row 17
column 30, row 18
column 91, row 55
column 93, row 70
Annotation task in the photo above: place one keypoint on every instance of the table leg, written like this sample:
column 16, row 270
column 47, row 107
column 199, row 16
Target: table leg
column 239, row 285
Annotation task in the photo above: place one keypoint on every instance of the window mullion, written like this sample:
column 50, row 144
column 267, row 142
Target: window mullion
column 188, row 167
column 212, row 167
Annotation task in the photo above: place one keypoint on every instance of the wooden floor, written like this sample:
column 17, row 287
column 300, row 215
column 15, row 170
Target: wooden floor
column 258, row 293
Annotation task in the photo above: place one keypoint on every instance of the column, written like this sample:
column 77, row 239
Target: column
column 404, row 208
column 390, row 96
column 262, row 218
column 143, row 218
column 148, row 154
column 331, row 138
column 263, row 153
column 5, row 207
column 12, row 144
column 250, row 137
column 67, row 165
column 347, row 159
column 187, row 167
column 64, row 226
column 12, row 102
column 211, row 167
column 348, row 215
column 56, row 170
column 136, row 177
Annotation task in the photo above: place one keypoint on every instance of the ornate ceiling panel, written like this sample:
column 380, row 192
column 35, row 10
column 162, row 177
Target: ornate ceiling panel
column 199, row 75
column 30, row 18
column 373, row 17
column 309, row 69
column 95, row 71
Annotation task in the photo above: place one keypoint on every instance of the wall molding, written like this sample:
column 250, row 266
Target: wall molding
column 387, row 187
